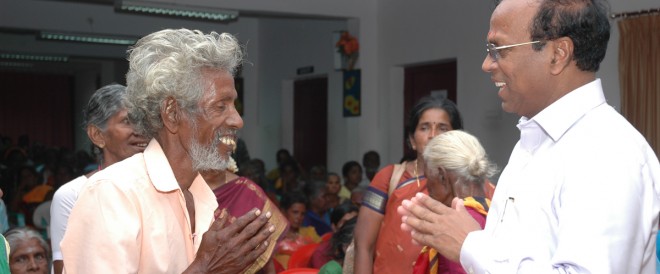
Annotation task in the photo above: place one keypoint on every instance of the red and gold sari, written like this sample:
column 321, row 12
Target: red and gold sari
column 430, row 262
column 241, row 195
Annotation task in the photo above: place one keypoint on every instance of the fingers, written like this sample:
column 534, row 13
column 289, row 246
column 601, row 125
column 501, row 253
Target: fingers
column 243, row 221
column 458, row 204
column 258, row 244
column 219, row 222
column 430, row 203
column 257, row 225
column 421, row 213
column 421, row 239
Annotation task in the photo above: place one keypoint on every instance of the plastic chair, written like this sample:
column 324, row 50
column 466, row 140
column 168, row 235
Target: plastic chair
column 278, row 267
column 300, row 270
column 300, row 258
column 326, row 237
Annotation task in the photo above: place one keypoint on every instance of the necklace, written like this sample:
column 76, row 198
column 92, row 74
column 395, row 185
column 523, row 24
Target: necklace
column 416, row 176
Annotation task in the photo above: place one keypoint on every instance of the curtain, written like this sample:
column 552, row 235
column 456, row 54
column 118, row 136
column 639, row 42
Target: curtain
column 37, row 105
column 639, row 74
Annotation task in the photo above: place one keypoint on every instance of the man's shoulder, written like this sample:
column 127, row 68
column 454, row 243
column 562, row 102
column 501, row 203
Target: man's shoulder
column 126, row 174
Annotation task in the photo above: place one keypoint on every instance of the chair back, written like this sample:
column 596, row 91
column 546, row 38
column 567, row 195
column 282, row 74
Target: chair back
column 326, row 237
column 300, row 270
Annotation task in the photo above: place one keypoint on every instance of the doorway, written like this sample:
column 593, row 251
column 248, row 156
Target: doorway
column 310, row 121
column 436, row 79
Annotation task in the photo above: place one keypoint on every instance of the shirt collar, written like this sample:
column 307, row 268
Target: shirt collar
column 159, row 169
column 162, row 177
column 561, row 115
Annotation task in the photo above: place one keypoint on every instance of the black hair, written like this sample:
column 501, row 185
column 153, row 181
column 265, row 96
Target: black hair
column 347, row 167
column 342, row 210
column 430, row 102
column 291, row 198
column 313, row 189
column 289, row 163
column 585, row 22
column 342, row 237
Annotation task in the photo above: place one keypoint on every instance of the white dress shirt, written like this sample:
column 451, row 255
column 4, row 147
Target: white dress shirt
column 580, row 194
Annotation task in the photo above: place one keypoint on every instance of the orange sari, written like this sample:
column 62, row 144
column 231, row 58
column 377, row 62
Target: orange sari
column 394, row 251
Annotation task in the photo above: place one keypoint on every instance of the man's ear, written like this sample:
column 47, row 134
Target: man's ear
column 562, row 54
column 170, row 114
column 96, row 135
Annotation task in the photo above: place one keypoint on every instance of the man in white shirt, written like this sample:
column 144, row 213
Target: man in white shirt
column 581, row 191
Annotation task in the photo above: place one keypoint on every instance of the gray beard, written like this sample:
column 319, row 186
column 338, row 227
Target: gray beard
column 208, row 158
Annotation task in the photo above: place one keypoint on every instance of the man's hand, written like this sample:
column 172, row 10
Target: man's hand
column 433, row 224
column 230, row 248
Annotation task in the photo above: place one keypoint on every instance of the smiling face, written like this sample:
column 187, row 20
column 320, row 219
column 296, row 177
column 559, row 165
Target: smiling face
column 213, row 129
column 28, row 257
column 432, row 122
column 520, row 74
column 120, row 141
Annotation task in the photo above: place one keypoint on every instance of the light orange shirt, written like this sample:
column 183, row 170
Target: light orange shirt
column 131, row 217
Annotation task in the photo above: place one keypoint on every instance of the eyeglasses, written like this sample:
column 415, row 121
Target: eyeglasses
column 494, row 53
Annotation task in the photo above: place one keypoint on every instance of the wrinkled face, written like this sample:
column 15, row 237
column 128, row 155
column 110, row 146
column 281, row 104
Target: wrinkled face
column 333, row 184
column 432, row 122
column 121, row 141
column 28, row 257
column 519, row 74
column 295, row 214
column 214, row 128
column 439, row 186
column 354, row 176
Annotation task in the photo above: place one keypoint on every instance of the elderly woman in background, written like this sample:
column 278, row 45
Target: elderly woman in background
column 29, row 251
column 380, row 246
column 108, row 127
column 456, row 166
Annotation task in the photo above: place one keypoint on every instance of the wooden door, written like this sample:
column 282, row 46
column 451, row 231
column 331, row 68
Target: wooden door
column 437, row 79
column 310, row 121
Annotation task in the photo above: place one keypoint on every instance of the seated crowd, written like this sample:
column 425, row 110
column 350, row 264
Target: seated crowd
column 312, row 210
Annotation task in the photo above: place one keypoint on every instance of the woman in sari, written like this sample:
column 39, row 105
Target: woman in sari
column 380, row 245
column 237, row 196
column 294, row 206
column 456, row 166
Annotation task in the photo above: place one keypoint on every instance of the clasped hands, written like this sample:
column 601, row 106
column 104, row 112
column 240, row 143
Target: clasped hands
column 434, row 224
column 232, row 247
